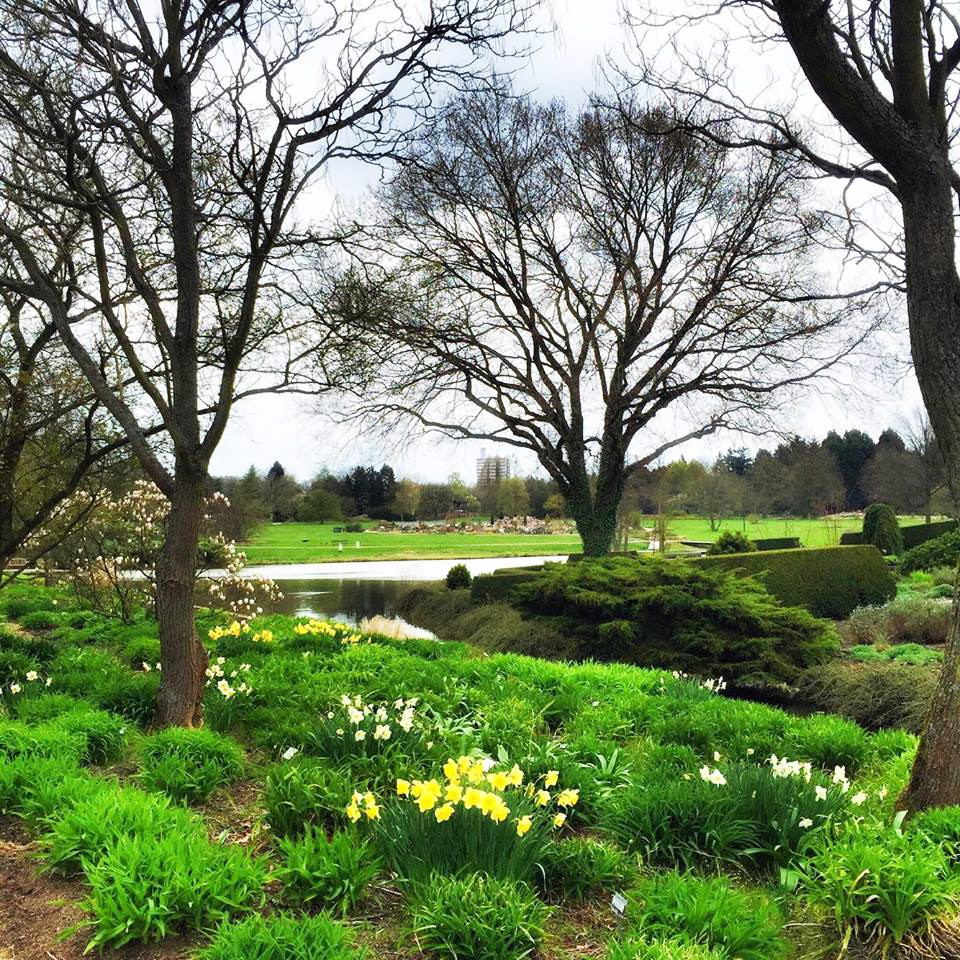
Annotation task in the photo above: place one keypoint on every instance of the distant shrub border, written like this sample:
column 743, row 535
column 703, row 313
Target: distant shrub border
column 913, row 535
column 828, row 581
column 777, row 543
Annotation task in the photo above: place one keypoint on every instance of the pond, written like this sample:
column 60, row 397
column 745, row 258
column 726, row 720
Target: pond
column 353, row 591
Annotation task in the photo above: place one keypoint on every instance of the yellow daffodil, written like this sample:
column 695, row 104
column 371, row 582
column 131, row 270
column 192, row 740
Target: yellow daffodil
column 403, row 788
column 560, row 819
column 515, row 776
column 472, row 797
column 568, row 798
column 498, row 780
column 523, row 825
column 426, row 801
column 542, row 798
column 372, row 810
column 451, row 769
column 550, row 780
column 353, row 813
column 476, row 773
column 454, row 793
column 443, row 813
column 463, row 764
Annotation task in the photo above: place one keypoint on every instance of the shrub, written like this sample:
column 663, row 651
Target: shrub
column 458, row 577
column 830, row 741
column 881, row 528
column 578, row 867
column 913, row 534
column 707, row 911
column 731, row 542
column 879, row 886
column 104, row 733
column 144, row 888
column 911, row 653
column 678, row 615
column 776, row 543
column 333, row 871
column 942, row 551
column 477, row 917
column 829, row 581
column 673, row 949
column 281, row 937
column 24, row 777
column 905, row 620
column 189, row 765
column 303, row 792
column 40, row 620
column 874, row 695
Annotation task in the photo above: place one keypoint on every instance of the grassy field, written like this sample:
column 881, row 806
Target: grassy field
column 317, row 542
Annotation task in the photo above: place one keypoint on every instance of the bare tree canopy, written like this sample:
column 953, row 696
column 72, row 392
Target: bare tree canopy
column 164, row 154
column 596, row 288
column 887, row 72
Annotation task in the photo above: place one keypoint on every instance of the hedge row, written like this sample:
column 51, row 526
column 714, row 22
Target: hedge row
column 497, row 587
column 776, row 543
column 829, row 581
column 912, row 535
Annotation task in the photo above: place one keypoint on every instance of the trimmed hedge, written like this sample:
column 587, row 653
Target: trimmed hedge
column 777, row 543
column 912, row 535
column 828, row 581
column 942, row 551
column 497, row 587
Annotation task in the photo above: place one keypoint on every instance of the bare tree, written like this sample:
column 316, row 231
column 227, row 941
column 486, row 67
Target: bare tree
column 922, row 443
column 574, row 283
column 164, row 154
column 887, row 72
column 59, row 451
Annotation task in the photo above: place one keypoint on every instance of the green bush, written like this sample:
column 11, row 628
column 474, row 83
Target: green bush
column 333, row 871
column 776, row 543
column 940, row 825
column 281, row 937
column 874, row 695
column 881, row 528
column 731, row 542
column 579, row 867
column 829, row 581
column 458, row 577
column 911, row 653
column 913, row 534
column 145, row 887
column 942, row 551
column 40, row 620
column 499, row 586
column 46, row 740
column 881, row 887
column 678, row 615
column 105, row 734
column 188, row 765
column 477, row 917
column 904, row 620
column 709, row 912
column 303, row 792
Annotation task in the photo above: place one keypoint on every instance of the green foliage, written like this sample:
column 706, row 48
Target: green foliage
column 905, row 620
column 146, row 887
column 46, row 740
column 331, row 871
column 874, row 695
column 477, row 917
column 104, row 734
column 458, row 577
column 940, row 825
column 911, row 653
column 731, row 542
column 673, row 949
column 39, row 620
column 942, row 551
column 678, row 615
column 282, row 937
column 305, row 791
column 579, row 867
column 189, row 765
column 707, row 911
column 879, row 886
column 829, row 582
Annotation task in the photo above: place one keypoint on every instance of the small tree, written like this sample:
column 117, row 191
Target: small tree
column 555, row 506
column 406, row 498
column 882, row 529
column 732, row 542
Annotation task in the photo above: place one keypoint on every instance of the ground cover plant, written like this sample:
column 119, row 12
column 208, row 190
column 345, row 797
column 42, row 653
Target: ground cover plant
column 429, row 800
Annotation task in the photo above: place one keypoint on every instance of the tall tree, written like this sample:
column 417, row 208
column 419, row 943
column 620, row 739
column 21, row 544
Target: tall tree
column 582, row 284
column 887, row 72
column 160, row 152
column 852, row 452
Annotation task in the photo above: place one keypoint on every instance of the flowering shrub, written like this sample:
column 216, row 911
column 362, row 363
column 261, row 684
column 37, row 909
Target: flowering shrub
column 474, row 817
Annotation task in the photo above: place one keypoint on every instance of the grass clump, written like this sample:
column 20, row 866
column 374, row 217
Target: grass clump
column 304, row 792
column 478, row 917
column 333, row 871
column 188, row 765
column 580, row 867
column 283, row 937
column 673, row 949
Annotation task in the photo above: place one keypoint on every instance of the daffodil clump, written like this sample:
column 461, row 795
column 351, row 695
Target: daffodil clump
column 235, row 629
column 331, row 630
column 358, row 729
column 475, row 816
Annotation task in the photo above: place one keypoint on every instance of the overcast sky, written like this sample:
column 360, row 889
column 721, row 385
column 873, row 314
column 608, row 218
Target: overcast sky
column 566, row 64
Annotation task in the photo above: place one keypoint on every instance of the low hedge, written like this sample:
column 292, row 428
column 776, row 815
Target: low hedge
column 497, row 587
column 942, row 551
column 828, row 581
column 913, row 535
column 777, row 543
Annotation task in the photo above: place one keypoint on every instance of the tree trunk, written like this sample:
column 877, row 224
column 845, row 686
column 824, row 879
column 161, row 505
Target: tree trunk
column 184, row 657
column 933, row 302
column 596, row 519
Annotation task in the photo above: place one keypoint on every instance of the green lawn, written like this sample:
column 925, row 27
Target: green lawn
column 317, row 543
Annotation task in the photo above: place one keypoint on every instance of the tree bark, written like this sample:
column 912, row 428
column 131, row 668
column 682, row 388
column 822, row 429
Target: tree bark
column 596, row 518
column 184, row 657
column 933, row 302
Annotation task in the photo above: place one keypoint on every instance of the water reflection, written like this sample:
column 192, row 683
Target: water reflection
column 347, row 600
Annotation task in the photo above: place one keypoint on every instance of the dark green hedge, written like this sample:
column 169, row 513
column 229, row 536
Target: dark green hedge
column 777, row 543
column 829, row 581
column 498, row 586
column 913, row 535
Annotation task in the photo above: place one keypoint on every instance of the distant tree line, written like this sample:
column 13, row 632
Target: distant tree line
column 377, row 493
